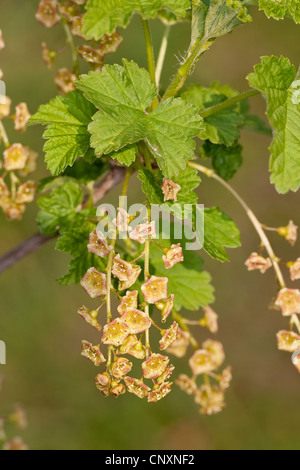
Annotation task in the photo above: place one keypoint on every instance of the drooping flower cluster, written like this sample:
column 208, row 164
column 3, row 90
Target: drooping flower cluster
column 17, row 162
column 125, row 335
column 287, row 300
column 17, row 418
column 70, row 13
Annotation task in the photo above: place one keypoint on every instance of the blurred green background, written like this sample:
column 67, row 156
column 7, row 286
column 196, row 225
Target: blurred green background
column 38, row 319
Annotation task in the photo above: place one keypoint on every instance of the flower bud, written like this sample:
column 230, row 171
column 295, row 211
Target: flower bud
column 256, row 261
column 143, row 232
column 48, row 56
column 288, row 341
column 15, row 157
column 137, row 387
column 120, row 367
column 30, row 165
column 155, row 289
column 289, row 301
column 92, row 353
column 115, row 332
column 179, row 347
column 26, row 192
column 159, row 392
column 132, row 278
column 94, row 283
column 154, row 366
column 211, row 400
column 22, row 116
column 290, row 232
column 65, row 80
column 201, row 362
column 47, row 13
column 136, row 320
column 128, row 301
column 117, row 390
column 169, row 336
column 215, row 348
column 91, row 54
column 98, row 244
column 166, row 307
column 173, row 256
column 103, row 382
column 225, row 378
column 294, row 269
column 186, row 384
column 170, row 190
column 210, row 320
column 68, row 10
column 90, row 316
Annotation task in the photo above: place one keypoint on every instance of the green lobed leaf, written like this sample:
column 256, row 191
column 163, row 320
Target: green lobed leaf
column 222, row 127
column 67, row 136
column 75, row 243
column 220, row 232
column 188, row 180
column 123, row 95
column 59, row 208
column 276, row 78
column 103, row 17
column 214, row 18
column 280, row 8
column 225, row 160
column 187, row 280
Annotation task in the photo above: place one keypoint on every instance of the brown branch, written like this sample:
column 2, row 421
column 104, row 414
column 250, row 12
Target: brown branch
column 113, row 177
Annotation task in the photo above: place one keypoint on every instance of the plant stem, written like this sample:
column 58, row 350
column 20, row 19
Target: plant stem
column 185, row 69
column 70, row 41
column 162, row 55
column 177, row 317
column 112, row 253
column 146, row 277
column 257, row 225
column 150, row 57
column 3, row 135
column 227, row 103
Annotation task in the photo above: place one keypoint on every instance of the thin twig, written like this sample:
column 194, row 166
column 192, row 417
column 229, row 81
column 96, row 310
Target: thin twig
column 113, row 177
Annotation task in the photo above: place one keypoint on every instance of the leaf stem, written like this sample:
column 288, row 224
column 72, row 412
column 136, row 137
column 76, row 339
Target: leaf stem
column 255, row 222
column 162, row 55
column 70, row 41
column 150, row 57
column 112, row 253
column 185, row 69
column 228, row 103
column 146, row 277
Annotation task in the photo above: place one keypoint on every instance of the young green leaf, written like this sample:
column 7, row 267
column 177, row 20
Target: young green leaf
column 222, row 127
column 191, row 284
column 280, row 8
column 225, row 160
column 103, row 17
column 75, row 243
column 59, row 208
column 123, row 95
column 67, row 136
column 188, row 180
column 214, row 18
column 219, row 232
column 276, row 78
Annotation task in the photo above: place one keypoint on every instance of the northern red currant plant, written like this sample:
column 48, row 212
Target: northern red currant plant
column 118, row 118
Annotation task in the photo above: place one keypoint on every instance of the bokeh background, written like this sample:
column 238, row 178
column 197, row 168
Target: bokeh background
column 38, row 318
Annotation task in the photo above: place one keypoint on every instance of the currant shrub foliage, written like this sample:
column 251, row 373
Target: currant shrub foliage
column 117, row 119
